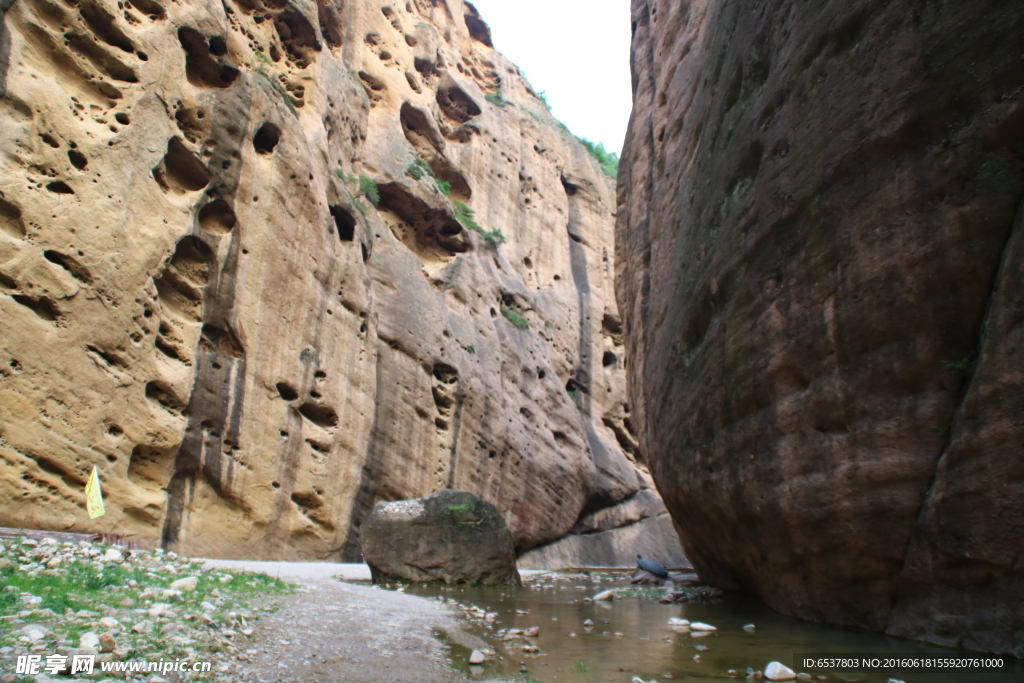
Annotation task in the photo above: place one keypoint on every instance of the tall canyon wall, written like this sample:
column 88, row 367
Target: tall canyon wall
column 821, row 271
column 201, row 299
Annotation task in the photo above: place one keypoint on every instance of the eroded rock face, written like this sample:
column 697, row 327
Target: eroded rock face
column 200, row 298
column 819, row 270
column 450, row 537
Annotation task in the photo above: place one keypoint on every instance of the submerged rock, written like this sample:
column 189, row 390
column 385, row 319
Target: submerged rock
column 450, row 536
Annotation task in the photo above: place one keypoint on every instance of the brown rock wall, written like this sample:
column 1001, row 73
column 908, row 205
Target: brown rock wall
column 817, row 268
column 200, row 298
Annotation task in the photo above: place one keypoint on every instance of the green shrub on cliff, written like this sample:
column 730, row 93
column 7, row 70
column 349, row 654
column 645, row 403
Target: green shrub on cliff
column 464, row 215
column 369, row 188
column 609, row 161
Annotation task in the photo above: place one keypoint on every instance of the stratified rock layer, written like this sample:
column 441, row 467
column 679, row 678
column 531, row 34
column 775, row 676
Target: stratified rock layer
column 450, row 536
column 820, row 269
column 200, row 297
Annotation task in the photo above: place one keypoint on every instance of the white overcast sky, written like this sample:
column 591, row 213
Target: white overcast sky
column 577, row 52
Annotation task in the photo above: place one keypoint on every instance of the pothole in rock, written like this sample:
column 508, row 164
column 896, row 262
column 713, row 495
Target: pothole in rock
column 434, row 235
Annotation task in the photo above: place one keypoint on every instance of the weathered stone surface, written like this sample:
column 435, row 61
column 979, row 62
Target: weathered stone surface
column 450, row 536
column 641, row 505
column 654, row 537
column 819, row 271
column 200, row 299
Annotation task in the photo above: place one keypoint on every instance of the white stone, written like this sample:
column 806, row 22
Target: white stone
column 477, row 657
column 188, row 583
column 110, row 622
column 113, row 555
column 143, row 627
column 605, row 595
column 777, row 671
column 158, row 608
column 207, row 607
column 701, row 626
column 673, row 621
column 34, row 634
column 749, row 628
column 89, row 640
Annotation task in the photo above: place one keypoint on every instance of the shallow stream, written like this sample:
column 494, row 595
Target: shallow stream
column 631, row 637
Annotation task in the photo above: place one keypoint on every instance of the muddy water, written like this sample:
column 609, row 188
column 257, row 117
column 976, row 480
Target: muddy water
column 631, row 637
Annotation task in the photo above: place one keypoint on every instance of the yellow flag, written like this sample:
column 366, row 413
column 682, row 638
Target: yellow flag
column 94, row 495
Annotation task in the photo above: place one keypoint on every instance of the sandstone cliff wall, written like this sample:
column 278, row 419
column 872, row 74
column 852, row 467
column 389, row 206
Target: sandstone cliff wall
column 200, row 298
column 820, row 270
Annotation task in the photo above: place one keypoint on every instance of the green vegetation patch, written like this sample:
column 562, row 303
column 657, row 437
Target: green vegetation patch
column 465, row 215
column 419, row 168
column 368, row 187
column 67, row 588
column 609, row 161
column 514, row 318
column 497, row 98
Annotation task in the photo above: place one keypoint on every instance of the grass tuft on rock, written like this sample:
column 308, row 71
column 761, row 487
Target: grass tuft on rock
column 368, row 187
column 497, row 98
column 514, row 318
column 465, row 215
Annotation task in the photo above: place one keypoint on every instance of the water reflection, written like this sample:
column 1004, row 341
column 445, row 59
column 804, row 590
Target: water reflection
column 631, row 637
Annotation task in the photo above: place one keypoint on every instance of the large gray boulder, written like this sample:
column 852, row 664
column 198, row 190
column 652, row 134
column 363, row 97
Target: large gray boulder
column 450, row 536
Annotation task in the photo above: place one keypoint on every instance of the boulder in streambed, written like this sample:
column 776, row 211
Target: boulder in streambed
column 449, row 536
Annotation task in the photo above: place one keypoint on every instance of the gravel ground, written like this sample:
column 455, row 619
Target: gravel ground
column 332, row 631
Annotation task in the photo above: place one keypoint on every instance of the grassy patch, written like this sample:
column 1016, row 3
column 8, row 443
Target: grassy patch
column 368, row 187
column 67, row 588
column 446, row 188
column 514, row 318
column 497, row 98
column 465, row 215
column 581, row 668
column 419, row 168
column 609, row 161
